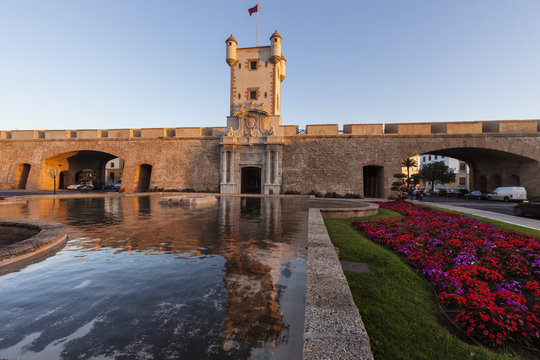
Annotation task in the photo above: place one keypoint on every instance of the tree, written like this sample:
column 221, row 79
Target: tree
column 409, row 163
column 398, row 186
column 437, row 171
column 88, row 175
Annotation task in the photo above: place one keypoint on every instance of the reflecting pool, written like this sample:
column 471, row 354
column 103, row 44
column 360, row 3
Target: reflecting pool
column 138, row 280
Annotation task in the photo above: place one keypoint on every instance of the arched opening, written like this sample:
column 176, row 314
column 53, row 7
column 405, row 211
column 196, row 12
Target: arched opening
column 482, row 184
column 144, row 175
column 494, row 182
column 461, row 169
column 513, row 180
column 251, row 180
column 72, row 167
column 63, row 179
column 373, row 181
column 23, row 170
column 492, row 168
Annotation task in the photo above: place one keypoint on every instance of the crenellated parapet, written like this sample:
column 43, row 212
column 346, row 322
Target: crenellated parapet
column 390, row 129
column 143, row 133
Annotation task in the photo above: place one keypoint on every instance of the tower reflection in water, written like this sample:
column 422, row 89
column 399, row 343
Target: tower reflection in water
column 253, row 309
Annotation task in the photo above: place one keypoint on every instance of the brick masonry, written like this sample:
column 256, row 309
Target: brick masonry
column 323, row 163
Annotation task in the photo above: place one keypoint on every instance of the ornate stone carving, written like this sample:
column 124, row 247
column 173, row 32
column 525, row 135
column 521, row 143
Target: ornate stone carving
column 252, row 120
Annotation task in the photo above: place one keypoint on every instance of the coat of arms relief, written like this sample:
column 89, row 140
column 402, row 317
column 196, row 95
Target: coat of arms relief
column 252, row 121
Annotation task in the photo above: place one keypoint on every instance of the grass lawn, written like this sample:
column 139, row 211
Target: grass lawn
column 398, row 307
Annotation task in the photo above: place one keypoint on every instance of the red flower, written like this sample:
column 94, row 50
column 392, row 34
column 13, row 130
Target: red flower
column 484, row 272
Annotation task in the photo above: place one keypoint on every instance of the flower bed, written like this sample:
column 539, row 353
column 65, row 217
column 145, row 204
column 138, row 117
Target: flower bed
column 489, row 277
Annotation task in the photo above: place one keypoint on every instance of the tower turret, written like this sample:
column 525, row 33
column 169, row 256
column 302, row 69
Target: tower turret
column 231, row 50
column 275, row 52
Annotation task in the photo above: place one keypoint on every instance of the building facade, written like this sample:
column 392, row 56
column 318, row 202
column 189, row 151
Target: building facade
column 252, row 146
column 460, row 168
column 256, row 153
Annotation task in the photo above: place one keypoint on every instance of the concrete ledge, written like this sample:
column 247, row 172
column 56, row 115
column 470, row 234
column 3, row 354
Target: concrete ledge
column 48, row 236
column 13, row 202
column 371, row 209
column 188, row 200
column 333, row 328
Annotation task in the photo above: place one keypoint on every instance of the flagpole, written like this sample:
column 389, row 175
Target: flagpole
column 258, row 11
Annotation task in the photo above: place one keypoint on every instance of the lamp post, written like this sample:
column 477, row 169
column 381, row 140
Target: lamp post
column 53, row 174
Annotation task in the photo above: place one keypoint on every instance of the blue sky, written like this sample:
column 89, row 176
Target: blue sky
column 133, row 63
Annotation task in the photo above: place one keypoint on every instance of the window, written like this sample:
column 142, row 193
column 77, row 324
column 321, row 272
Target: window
column 252, row 65
column 462, row 181
column 253, row 95
column 429, row 158
column 423, row 159
column 462, row 166
column 436, row 156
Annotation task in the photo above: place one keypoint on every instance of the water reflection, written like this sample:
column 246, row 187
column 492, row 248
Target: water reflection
column 143, row 280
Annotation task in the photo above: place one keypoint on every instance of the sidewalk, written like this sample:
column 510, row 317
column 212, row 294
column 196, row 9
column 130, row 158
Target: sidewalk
column 516, row 220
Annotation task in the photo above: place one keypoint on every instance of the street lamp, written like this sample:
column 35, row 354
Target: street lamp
column 53, row 174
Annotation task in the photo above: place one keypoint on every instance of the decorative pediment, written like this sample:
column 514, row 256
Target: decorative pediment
column 252, row 120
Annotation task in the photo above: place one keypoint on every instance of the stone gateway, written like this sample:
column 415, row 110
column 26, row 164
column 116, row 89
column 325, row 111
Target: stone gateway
column 255, row 153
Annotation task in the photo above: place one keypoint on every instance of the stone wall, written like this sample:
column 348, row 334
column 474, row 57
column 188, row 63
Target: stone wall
column 186, row 163
column 335, row 163
column 322, row 160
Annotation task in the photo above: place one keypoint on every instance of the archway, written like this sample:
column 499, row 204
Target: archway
column 251, row 180
column 513, row 180
column 23, row 170
column 63, row 178
column 496, row 166
column 144, row 175
column 71, row 165
column 373, row 181
column 482, row 183
column 494, row 182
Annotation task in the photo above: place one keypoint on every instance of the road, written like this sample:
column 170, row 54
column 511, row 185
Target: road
column 494, row 206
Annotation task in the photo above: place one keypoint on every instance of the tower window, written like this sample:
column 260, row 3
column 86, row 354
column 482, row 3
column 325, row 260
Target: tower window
column 239, row 96
column 253, row 95
column 253, row 65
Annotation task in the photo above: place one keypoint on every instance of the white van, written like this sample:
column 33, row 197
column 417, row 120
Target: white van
column 508, row 193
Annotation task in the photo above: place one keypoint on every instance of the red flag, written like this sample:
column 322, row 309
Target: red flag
column 253, row 9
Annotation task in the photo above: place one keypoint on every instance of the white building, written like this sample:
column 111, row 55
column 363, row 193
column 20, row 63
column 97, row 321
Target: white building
column 461, row 169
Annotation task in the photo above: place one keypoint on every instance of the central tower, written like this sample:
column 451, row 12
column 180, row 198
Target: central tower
column 257, row 73
column 251, row 149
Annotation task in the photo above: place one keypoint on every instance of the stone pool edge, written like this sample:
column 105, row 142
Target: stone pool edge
column 333, row 328
column 51, row 236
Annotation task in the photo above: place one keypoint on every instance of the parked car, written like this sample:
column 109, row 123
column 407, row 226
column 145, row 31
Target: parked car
column 508, row 193
column 528, row 208
column 457, row 193
column 108, row 185
column 74, row 186
column 476, row 194
column 82, row 186
column 117, row 185
column 442, row 192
